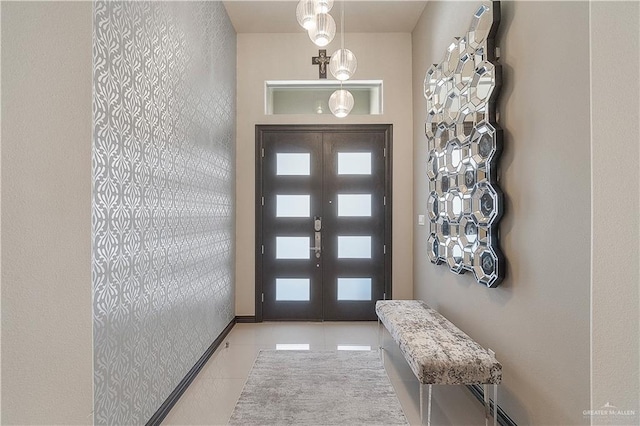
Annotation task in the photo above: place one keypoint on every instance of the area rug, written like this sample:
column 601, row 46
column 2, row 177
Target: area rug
column 318, row 388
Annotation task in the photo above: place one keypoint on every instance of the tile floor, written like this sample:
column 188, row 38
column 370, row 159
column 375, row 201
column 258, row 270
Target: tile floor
column 212, row 396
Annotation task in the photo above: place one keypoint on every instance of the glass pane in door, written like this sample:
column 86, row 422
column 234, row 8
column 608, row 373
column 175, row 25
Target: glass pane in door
column 354, row 288
column 354, row 205
column 354, row 247
column 293, row 164
column 354, row 163
column 292, row 289
column 292, row 247
column 293, row 205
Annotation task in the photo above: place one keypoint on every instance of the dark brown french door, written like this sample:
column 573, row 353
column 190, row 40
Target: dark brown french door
column 323, row 221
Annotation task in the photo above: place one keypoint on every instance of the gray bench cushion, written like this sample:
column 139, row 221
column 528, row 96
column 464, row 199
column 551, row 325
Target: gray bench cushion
column 437, row 351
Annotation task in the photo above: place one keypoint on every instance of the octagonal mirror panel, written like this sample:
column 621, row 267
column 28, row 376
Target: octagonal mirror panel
column 480, row 25
column 430, row 81
column 433, row 202
column 484, row 144
column 464, row 126
column 453, row 105
column 443, row 230
column 454, row 256
column 464, row 143
column 468, row 233
column 453, row 156
column 487, row 265
column 467, row 179
column 432, row 186
column 485, row 235
column 431, row 124
column 482, row 85
column 444, row 133
column 479, row 56
column 432, row 166
column 442, row 90
column 433, row 251
column 486, row 205
column 453, row 206
column 451, row 58
column 442, row 184
column 465, row 70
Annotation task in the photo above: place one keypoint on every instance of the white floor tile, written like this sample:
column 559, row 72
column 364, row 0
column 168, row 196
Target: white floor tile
column 212, row 396
column 206, row 402
column 311, row 333
column 251, row 334
column 233, row 362
column 351, row 334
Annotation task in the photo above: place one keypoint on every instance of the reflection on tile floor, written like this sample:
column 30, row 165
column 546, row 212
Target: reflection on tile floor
column 213, row 394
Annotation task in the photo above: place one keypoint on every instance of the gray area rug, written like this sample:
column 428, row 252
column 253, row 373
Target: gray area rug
column 318, row 388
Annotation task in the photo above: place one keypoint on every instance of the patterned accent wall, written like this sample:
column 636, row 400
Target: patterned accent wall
column 163, row 197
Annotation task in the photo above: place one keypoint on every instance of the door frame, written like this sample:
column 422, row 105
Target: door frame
column 261, row 129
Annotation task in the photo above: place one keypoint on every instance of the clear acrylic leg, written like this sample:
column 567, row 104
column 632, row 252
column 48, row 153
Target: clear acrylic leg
column 495, row 405
column 429, row 407
column 487, row 409
column 421, row 403
column 380, row 340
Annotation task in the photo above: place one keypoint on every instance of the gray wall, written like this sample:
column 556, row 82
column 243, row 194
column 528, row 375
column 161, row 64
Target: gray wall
column 163, row 197
column 46, row 213
column 538, row 320
column 615, row 148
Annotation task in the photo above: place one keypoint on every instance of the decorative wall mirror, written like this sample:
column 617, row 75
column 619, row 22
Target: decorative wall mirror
column 464, row 142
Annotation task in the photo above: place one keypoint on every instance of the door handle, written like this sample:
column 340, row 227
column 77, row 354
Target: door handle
column 317, row 226
column 318, row 244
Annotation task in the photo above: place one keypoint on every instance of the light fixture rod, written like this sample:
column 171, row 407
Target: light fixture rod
column 342, row 26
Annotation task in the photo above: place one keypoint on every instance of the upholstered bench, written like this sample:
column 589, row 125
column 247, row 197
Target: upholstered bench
column 437, row 351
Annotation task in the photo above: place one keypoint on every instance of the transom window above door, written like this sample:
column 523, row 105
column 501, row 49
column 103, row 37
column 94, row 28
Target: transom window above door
column 311, row 97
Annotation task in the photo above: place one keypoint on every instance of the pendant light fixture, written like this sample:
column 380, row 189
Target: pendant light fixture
column 323, row 6
column 343, row 62
column 341, row 103
column 342, row 65
column 306, row 14
column 324, row 30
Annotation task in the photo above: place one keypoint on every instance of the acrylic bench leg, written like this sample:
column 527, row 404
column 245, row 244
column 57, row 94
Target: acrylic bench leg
column 421, row 403
column 380, row 340
column 487, row 409
column 428, row 405
column 495, row 405
column 429, row 408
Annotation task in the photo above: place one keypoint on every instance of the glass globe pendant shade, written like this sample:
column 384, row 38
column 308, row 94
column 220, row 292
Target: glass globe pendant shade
column 323, row 6
column 306, row 14
column 343, row 64
column 324, row 30
column 341, row 103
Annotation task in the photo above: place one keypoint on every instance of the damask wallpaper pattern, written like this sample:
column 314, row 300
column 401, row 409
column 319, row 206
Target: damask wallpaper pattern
column 164, row 77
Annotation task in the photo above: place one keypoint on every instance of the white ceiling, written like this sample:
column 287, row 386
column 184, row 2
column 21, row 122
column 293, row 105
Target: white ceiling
column 361, row 16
